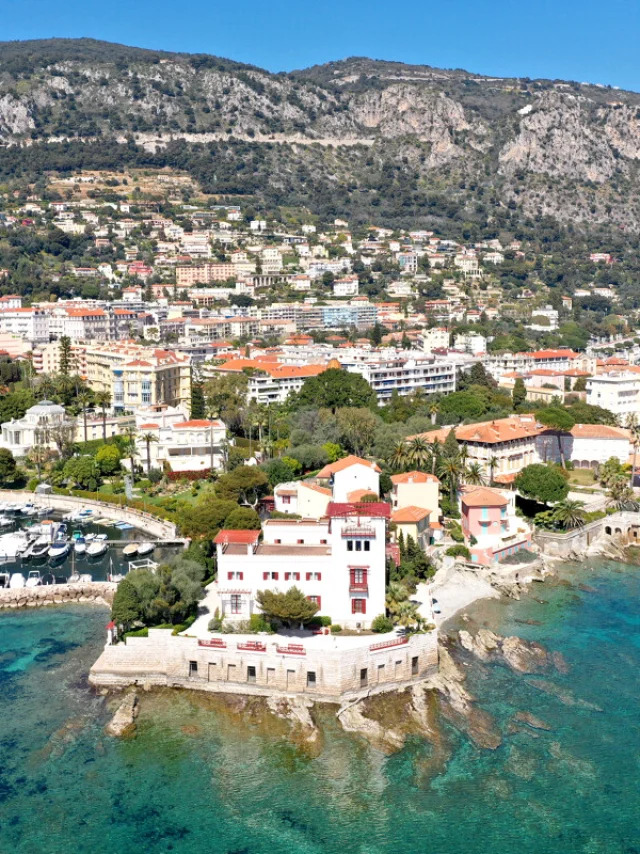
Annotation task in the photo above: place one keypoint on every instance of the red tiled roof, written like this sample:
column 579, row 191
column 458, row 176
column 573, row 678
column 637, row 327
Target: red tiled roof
column 374, row 509
column 414, row 477
column 482, row 496
column 409, row 514
column 149, row 426
column 345, row 463
column 231, row 537
column 198, row 422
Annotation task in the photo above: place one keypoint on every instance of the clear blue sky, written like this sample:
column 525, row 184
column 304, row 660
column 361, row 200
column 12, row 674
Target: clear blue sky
column 584, row 41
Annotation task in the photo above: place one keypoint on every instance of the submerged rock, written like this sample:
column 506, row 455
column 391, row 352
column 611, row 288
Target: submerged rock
column 352, row 719
column 524, row 656
column 530, row 720
column 296, row 710
column 124, row 721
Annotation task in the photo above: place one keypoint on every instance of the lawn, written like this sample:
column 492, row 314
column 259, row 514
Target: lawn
column 582, row 477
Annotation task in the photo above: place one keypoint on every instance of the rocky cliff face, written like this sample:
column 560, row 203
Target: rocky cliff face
column 539, row 146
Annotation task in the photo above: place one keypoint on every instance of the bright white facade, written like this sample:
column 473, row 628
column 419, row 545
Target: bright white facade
column 30, row 324
column 619, row 393
column 194, row 445
column 338, row 563
column 20, row 435
column 350, row 478
column 406, row 375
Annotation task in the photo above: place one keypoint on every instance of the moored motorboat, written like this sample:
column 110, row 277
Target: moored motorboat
column 97, row 548
column 79, row 578
column 59, row 550
column 80, row 546
column 34, row 579
column 48, row 578
column 145, row 548
column 17, row 581
column 40, row 548
column 89, row 538
column 130, row 550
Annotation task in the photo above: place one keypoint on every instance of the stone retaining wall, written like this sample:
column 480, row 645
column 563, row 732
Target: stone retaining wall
column 330, row 674
column 98, row 592
column 67, row 503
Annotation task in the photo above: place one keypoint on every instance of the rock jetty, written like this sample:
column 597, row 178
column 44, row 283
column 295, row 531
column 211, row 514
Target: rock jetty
column 124, row 721
column 95, row 592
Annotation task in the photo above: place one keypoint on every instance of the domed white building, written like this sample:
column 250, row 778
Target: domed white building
column 20, row 435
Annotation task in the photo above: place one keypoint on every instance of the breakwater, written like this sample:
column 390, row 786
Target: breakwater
column 95, row 592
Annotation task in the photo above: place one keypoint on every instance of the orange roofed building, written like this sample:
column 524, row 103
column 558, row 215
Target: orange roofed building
column 503, row 447
column 138, row 377
column 269, row 380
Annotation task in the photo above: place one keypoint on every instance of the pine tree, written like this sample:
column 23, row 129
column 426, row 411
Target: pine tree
column 197, row 400
column 519, row 393
column 65, row 355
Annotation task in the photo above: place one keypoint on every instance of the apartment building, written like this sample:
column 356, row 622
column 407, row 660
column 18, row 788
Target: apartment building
column 405, row 375
column 269, row 382
column 30, row 324
column 138, row 376
column 188, row 445
column 46, row 359
column 618, row 392
column 204, row 274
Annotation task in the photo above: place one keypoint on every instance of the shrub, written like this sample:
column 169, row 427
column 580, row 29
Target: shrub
column 455, row 532
column 458, row 551
column 31, row 485
column 381, row 624
column 137, row 633
column 258, row 623
column 203, row 474
column 319, row 621
column 155, row 476
column 522, row 556
column 336, row 629
column 144, row 483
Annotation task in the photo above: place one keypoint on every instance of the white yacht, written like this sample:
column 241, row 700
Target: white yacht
column 145, row 548
column 97, row 548
column 34, row 579
column 80, row 546
column 59, row 550
column 12, row 545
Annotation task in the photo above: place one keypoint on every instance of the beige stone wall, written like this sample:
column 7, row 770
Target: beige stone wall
column 163, row 659
column 97, row 592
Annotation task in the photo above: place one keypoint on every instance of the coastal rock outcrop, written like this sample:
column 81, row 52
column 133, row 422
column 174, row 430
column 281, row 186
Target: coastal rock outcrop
column 297, row 711
column 124, row 721
column 521, row 655
column 95, row 592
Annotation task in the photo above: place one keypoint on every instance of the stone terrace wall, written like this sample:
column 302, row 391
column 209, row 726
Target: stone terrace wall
column 99, row 592
column 67, row 503
column 164, row 659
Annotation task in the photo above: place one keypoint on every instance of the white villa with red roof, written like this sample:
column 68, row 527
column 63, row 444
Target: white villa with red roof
column 185, row 445
column 338, row 562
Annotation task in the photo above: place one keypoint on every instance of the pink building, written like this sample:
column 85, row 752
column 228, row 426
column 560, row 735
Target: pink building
column 488, row 516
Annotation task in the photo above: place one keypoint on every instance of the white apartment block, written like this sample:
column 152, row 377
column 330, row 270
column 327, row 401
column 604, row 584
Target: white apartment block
column 619, row 393
column 434, row 339
column 30, row 324
column 406, row 375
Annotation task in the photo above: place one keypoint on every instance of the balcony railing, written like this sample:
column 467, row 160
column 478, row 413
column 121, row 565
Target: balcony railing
column 358, row 531
column 359, row 587
column 375, row 647
column 252, row 646
column 214, row 643
column 292, row 649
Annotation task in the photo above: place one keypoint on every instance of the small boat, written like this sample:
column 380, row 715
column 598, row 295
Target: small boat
column 40, row 548
column 77, row 578
column 48, row 579
column 145, row 548
column 17, row 581
column 101, row 537
column 79, row 546
column 77, row 535
column 89, row 538
column 96, row 548
column 59, row 550
column 130, row 550
column 34, row 579
column 6, row 522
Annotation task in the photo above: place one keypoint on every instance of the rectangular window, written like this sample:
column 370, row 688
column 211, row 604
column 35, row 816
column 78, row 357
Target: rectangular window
column 358, row 606
column 235, row 576
column 484, row 515
column 414, row 665
column 358, row 545
column 251, row 674
column 364, row 677
column 311, row 679
column 236, row 604
column 317, row 600
column 349, row 545
column 367, row 545
column 193, row 668
column 286, row 499
column 265, row 576
column 323, row 542
column 300, row 542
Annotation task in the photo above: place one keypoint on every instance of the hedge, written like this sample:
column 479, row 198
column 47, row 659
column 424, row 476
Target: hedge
column 203, row 474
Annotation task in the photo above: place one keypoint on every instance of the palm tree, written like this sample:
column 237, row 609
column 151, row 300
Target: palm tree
column 103, row 400
column 634, row 430
column 620, row 495
column 148, row 438
column 46, row 388
column 493, row 464
column 474, row 475
column 130, row 433
column 418, row 452
column 570, row 514
column 84, row 399
column 399, row 455
column 396, row 594
column 38, row 455
column 451, row 472
column 463, row 456
column 433, row 412
column 407, row 614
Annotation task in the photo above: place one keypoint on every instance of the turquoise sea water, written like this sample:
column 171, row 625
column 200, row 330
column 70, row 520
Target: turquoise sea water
column 192, row 781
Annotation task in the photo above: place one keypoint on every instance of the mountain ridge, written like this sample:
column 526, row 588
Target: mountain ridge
column 390, row 136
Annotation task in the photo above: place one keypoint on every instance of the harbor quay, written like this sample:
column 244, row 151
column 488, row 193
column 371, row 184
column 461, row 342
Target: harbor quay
column 322, row 667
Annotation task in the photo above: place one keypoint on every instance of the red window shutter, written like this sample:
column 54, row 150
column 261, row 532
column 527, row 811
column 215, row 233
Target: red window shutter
column 275, row 576
column 319, row 601
column 296, row 576
column 265, row 576
column 229, row 576
column 352, row 574
column 308, row 576
column 287, row 576
column 319, row 578
column 364, row 606
column 242, row 576
column 353, row 606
